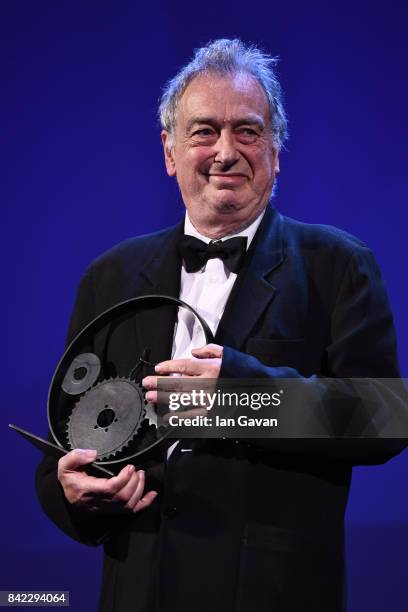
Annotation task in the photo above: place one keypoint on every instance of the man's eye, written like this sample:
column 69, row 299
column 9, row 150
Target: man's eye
column 203, row 132
column 247, row 135
column 246, row 131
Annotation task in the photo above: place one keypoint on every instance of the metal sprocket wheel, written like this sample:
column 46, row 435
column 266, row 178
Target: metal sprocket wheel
column 107, row 417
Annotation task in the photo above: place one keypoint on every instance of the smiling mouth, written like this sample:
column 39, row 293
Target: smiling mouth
column 220, row 174
column 228, row 178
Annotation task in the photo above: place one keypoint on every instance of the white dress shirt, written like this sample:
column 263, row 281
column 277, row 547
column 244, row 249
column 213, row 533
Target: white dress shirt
column 207, row 291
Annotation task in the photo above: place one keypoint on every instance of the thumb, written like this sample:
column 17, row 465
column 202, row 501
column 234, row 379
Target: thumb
column 208, row 351
column 77, row 458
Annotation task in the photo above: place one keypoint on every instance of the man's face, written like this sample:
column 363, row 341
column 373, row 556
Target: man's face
column 222, row 152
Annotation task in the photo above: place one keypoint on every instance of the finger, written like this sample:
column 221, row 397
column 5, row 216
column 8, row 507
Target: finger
column 186, row 367
column 205, row 352
column 138, row 492
column 76, row 459
column 125, row 493
column 145, row 501
column 117, row 483
column 151, row 397
column 107, row 489
column 151, row 382
column 167, row 386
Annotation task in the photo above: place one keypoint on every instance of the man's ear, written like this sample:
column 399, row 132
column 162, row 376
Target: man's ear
column 168, row 154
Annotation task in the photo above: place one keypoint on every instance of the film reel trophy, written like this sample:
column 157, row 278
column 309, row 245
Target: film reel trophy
column 87, row 410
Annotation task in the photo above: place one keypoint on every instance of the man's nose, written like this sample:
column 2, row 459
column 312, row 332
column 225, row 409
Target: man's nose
column 225, row 150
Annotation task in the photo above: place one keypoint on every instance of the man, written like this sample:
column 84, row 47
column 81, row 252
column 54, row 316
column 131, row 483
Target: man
column 222, row 526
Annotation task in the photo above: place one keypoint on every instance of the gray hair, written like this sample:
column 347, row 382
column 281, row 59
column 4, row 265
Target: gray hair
column 226, row 56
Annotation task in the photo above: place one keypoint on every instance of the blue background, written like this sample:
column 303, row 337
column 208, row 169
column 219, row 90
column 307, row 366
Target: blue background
column 82, row 169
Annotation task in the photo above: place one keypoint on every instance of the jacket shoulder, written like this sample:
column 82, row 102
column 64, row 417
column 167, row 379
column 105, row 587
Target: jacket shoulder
column 116, row 274
column 136, row 249
column 319, row 236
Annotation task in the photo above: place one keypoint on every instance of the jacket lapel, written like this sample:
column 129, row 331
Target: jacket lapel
column 160, row 275
column 252, row 291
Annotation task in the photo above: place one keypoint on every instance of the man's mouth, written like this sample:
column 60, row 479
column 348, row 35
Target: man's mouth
column 227, row 179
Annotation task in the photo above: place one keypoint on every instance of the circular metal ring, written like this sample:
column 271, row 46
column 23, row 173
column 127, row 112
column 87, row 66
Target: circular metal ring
column 85, row 338
column 81, row 374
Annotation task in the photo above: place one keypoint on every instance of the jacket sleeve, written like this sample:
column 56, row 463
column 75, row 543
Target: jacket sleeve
column 80, row 525
column 362, row 345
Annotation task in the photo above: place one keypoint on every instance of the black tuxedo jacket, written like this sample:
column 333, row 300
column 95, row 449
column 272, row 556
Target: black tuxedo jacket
column 248, row 526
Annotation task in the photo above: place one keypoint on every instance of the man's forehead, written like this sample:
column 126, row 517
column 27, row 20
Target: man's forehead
column 222, row 97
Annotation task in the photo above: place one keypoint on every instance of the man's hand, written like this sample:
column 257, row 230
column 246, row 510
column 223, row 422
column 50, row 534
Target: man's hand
column 120, row 494
column 205, row 363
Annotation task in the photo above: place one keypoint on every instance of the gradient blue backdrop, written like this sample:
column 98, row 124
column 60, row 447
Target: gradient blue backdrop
column 83, row 169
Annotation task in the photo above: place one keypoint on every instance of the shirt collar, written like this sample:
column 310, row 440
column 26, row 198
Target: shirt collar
column 248, row 232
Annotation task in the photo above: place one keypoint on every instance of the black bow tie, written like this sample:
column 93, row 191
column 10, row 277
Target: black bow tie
column 196, row 253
